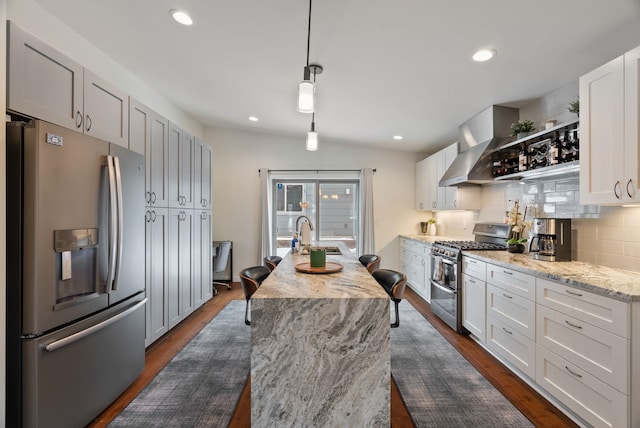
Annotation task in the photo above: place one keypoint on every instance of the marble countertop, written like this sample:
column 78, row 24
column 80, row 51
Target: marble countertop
column 616, row 283
column 428, row 239
column 353, row 282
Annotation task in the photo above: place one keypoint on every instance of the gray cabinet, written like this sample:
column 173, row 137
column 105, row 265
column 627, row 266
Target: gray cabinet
column 106, row 110
column 180, row 167
column 202, row 175
column 156, row 264
column 139, row 128
column 45, row 84
column 41, row 81
column 203, row 263
column 181, row 234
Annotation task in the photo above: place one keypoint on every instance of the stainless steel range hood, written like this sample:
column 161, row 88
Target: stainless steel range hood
column 477, row 138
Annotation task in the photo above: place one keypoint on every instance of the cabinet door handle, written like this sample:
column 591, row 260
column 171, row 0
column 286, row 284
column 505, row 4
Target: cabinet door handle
column 615, row 189
column 153, row 216
column 471, row 281
column 507, row 331
column 506, row 272
column 147, row 196
column 572, row 372
column 88, row 122
column 573, row 325
column 507, row 296
column 153, row 197
column 455, row 203
column 628, row 192
column 147, row 216
column 573, row 293
column 78, row 119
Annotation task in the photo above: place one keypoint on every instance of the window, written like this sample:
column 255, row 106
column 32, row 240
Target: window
column 289, row 197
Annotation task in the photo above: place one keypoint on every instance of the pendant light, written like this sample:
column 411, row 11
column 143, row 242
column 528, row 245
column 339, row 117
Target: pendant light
column 312, row 135
column 307, row 88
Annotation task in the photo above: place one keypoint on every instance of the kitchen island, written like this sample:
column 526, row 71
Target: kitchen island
column 320, row 347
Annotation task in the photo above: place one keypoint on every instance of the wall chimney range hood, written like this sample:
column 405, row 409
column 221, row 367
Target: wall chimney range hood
column 477, row 138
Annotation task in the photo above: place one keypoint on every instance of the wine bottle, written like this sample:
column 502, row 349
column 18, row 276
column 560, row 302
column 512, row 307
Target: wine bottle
column 522, row 159
column 554, row 150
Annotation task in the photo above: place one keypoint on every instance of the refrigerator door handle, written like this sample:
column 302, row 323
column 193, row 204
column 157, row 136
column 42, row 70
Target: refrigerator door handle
column 113, row 226
column 118, row 260
column 65, row 341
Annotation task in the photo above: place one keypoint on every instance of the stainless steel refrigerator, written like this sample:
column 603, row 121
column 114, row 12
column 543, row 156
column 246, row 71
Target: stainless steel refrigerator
column 75, row 274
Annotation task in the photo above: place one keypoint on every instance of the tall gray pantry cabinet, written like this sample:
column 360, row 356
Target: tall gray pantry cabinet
column 43, row 83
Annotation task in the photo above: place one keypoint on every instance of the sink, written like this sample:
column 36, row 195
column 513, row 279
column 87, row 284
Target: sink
column 331, row 250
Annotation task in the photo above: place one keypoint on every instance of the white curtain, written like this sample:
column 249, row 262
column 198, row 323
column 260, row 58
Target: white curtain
column 367, row 238
column 266, row 231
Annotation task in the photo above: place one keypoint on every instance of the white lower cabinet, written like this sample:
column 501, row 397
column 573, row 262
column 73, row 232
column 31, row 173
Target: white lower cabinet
column 415, row 262
column 511, row 345
column 593, row 400
column 474, row 308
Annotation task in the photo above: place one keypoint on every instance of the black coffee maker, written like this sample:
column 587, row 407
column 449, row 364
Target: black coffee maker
column 551, row 239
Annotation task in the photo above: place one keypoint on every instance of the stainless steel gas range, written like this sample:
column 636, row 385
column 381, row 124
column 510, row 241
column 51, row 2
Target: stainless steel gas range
column 446, row 266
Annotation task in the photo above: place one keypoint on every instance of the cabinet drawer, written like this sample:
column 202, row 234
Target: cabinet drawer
column 474, row 268
column 515, row 311
column 515, row 282
column 474, row 311
column 609, row 314
column 598, row 352
column 516, row 348
column 594, row 401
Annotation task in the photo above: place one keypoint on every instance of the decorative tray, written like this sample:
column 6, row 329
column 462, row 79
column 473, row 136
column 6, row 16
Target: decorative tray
column 330, row 267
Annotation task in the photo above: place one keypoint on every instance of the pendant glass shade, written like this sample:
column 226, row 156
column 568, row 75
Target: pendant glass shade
column 306, row 96
column 312, row 141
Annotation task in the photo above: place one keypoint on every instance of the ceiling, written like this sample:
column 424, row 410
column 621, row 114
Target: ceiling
column 390, row 67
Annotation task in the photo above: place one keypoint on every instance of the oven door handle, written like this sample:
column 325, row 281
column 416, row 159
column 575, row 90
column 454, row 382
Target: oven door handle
column 445, row 289
column 449, row 262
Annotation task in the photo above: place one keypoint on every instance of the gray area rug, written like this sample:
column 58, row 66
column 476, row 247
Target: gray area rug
column 438, row 385
column 201, row 385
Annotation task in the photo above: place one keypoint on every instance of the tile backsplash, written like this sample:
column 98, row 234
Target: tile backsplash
column 602, row 235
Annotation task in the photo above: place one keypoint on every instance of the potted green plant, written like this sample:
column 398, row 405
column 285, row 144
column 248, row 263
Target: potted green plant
column 522, row 128
column 574, row 107
column 516, row 245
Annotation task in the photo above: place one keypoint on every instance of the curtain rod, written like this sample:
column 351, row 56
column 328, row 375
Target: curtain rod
column 315, row 170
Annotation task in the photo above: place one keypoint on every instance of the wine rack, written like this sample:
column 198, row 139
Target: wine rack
column 549, row 150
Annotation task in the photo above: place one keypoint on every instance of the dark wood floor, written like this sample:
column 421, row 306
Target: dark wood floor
column 539, row 411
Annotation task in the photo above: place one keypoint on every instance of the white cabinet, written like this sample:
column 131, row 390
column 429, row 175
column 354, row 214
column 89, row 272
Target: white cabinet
column 429, row 194
column 181, row 290
column 45, row 84
column 584, row 352
column 202, row 269
column 474, row 273
column 415, row 262
column 511, row 312
column 423, row 184
column 609, row 115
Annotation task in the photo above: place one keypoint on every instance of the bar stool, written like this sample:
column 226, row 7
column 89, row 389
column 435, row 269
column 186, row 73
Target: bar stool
column 394, row 284
column 370, row 261
column 250, row 279
column 272, row 261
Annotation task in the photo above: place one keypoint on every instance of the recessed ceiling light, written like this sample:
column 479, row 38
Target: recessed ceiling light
column 181, row 16
column 253, row 119
column 484, row 55
column 398, row 137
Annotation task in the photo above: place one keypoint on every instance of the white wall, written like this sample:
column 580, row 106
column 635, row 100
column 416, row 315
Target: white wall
column 237, row 156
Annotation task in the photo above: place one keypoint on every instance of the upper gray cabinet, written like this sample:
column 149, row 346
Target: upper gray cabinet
column 180, row 171
column 45, row 84
column 202, row 176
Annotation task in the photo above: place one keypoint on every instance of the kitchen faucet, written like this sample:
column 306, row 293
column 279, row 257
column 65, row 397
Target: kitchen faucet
column 305, row 231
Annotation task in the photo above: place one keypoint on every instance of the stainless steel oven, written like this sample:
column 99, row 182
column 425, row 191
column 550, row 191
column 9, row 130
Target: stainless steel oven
column 446, row 270
column 445, row 292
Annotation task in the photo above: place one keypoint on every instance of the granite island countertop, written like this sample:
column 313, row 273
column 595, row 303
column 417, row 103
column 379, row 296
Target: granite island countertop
column 616, row 283
column 430, row 239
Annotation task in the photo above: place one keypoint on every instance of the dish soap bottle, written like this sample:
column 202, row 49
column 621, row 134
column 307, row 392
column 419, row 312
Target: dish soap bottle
column 294, row 243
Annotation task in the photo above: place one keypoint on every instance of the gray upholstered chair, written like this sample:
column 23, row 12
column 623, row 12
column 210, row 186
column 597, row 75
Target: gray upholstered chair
column 370, row 261
column 272, row 261
column 250, row 279
column 394, row 284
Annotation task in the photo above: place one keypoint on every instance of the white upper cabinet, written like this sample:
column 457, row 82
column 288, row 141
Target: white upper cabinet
column 609, row 115
column 429, row 194
column 45, row 84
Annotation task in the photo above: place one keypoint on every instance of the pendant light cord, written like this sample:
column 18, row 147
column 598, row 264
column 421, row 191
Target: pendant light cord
column 309, row 34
